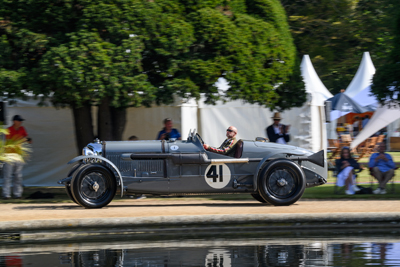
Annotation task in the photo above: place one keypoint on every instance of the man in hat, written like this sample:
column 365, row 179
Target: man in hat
column 227, row 145
column 16, row 132
column 277, row 132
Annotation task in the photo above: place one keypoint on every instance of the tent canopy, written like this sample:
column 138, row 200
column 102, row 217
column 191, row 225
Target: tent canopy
column 314, row 85
column 366, row 99
column 363, row 77
column 342, row 105
column 383, row 116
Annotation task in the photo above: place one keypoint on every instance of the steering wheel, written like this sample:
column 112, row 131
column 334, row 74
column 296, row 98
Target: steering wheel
column 199, row 137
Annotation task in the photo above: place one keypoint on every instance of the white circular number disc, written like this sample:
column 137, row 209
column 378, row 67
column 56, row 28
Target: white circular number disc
column 174, row 147
column 217, row 175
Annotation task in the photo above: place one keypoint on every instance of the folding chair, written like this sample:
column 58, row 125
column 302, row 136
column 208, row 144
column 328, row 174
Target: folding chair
column 372, row 179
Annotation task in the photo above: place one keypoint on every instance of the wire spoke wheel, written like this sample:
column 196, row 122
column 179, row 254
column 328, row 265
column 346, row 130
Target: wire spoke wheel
column 93, row 186
column 281, row 182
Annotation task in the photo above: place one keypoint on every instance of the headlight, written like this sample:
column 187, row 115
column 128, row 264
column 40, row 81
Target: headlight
column 87, row 151
column 92, row 149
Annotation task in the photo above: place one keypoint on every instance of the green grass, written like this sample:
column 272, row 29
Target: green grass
column 327, row 192
column 363, row 177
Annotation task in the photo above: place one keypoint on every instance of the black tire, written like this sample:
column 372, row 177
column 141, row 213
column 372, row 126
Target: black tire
column 67, row 186
column 69, row 193
column 257, row 197
column 93, row 186
column 281, row 182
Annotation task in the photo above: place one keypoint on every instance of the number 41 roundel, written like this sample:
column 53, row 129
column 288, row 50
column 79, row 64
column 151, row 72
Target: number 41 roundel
column 217, row 175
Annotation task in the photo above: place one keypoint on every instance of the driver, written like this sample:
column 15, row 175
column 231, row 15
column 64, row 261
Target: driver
column 229, row 142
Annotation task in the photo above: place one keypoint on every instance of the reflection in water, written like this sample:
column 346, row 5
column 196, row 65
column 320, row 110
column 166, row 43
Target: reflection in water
column 244, row 252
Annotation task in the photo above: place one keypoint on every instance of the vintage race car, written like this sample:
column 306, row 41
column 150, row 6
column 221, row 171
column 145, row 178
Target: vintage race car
column 272, row 173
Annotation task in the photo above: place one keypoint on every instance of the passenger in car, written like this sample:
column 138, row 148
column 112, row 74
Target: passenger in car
column 227, row 145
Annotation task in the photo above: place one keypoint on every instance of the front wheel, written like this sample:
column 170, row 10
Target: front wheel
column 258, row 198
column 68, row 185
column 93, row 186
column 281, row 182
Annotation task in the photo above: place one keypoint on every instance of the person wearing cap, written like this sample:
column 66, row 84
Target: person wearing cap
column 227, row 145
column 168, row 132
column 277, row 132
column 16, row 132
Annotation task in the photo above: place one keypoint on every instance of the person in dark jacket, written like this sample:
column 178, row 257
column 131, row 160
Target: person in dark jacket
column 345, row 167
column 277, row 132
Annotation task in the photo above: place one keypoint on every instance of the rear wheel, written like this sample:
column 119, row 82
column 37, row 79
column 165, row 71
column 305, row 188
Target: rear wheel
column 281, row 182
column 93, row 186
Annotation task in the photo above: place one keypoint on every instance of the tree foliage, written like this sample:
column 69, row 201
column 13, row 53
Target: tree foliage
column 335, row 34
column 386, row 81
column 122, row 53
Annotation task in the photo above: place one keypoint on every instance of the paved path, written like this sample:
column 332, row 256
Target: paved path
column 187, row 207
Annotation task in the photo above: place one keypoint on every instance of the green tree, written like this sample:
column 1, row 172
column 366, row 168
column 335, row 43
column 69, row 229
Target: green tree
column 124, row 53
column 335, row 34
column 386, row 81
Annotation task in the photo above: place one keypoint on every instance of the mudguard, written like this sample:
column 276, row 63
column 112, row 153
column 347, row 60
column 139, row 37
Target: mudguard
column 105, row 160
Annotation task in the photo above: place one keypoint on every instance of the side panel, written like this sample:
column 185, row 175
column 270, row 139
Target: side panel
column 142, row 175
column 210, row 178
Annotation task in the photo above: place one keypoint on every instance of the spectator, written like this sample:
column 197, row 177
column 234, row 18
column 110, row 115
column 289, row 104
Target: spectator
column 168, row 132
column 365, row 121
column 349, row 128
column 13, row 170
column 356, row 125
column 345, row 171
column 382, row 168
column 277, row 132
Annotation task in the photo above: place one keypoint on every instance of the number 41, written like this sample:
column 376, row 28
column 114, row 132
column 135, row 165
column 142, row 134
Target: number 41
column 212, row 173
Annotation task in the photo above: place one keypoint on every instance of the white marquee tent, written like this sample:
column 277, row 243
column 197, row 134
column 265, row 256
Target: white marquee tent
column 357, row 90
column 360, row 91
column 363, row 77
column 54, row 143
column 308, row 122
